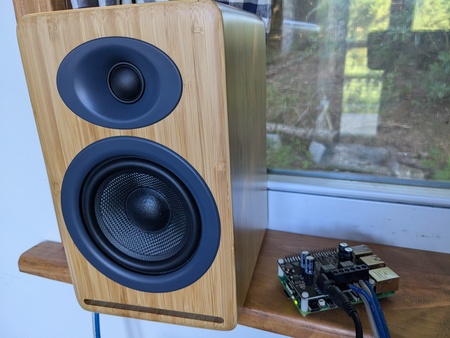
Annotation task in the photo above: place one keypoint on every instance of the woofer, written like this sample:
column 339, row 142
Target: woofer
column 140, row 214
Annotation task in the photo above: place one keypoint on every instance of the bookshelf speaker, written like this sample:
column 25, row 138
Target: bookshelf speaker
column 151, row 119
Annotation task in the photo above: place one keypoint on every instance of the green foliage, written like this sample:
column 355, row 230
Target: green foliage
column 438, row 78
column 367, row 16
column 443, row 174
column 365, row 91
column 283, row 103
column 408, row 82
column 439, row 164
column 280, row 98
column 290, row 153
column 432, row 15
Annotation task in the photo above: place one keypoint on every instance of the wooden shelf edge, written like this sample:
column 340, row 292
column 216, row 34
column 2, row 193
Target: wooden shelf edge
column 48, row 260
column 267, row 307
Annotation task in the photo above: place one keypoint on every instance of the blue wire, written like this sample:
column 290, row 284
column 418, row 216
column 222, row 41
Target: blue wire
column 373, row 309
column 96, row 324
column 380, row 311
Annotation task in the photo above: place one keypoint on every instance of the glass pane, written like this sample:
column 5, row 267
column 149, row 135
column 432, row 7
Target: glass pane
column 360, row 86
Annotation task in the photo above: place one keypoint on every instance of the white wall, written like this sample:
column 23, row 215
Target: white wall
column 33, row 307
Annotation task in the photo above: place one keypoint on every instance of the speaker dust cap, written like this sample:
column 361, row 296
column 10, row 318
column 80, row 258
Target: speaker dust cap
column 140, row 214
column 119, row 82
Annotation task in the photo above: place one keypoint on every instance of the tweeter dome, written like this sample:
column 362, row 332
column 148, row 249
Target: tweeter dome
column 119, row 82
column 151, row 119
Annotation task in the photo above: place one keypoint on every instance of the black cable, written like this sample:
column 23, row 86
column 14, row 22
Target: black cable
column 358, row 325
column 341, row 300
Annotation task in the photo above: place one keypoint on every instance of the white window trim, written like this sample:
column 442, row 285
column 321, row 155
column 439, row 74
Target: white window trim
column 398, row 215
column 395, row 193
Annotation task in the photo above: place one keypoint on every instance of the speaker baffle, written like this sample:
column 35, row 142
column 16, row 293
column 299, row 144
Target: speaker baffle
column 119, row 82
column 140, row 214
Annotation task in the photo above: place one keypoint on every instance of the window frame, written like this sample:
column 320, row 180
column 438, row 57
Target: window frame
column 392, row 214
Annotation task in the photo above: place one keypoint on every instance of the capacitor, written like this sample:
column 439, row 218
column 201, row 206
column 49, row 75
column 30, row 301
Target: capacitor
column 303, row 256
column 348, row 254
column 309, row 268
column 341, row 251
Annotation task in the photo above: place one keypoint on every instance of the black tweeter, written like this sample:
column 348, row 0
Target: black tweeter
column 125, row 82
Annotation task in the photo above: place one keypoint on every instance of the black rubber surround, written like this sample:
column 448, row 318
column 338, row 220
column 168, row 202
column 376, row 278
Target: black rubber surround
column 129, row 164
column 119, row 82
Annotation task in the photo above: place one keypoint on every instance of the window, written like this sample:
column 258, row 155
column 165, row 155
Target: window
column 358, row 128
column 360, row 87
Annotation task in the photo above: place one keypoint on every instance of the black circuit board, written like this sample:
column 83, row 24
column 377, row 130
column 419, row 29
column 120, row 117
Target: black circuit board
column 345, row 265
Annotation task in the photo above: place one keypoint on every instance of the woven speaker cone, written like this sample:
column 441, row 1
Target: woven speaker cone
column 140, row 215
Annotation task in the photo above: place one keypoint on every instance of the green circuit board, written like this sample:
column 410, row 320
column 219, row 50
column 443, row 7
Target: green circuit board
column 344, row 265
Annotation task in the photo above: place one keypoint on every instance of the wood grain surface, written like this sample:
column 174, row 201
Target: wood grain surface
column 218, row 127
column 420, row 308
column 24, row 7
column 48, row 260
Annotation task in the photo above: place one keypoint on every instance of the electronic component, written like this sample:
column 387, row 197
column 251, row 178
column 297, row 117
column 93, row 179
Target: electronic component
column 349, row 274
column 309, row 266
column 347, row 254
column 360, row 251
column 303, row 256
column 372, row 261
column 385, row 279
column 306, row 274
column 341, row 250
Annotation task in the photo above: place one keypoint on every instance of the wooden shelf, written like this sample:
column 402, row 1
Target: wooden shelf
column 47, row 260
column 419, row 309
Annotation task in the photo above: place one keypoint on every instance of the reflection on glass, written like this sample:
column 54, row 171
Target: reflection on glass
column 360, row 86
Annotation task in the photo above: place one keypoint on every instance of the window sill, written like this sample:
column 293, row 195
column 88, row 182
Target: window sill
column 382, row 192
column 404, row 216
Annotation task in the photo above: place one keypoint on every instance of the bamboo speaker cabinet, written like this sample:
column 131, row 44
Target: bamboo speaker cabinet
column 151, row 119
